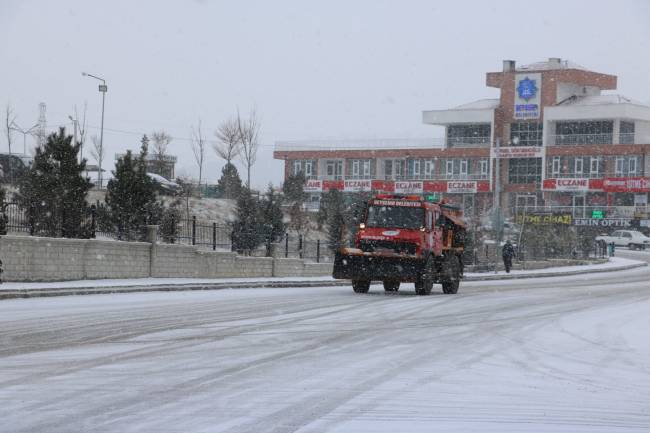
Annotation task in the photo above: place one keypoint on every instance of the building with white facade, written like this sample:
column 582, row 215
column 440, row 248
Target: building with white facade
column 557, row 137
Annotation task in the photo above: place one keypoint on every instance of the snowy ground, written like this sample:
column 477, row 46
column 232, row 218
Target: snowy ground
column 561, row 354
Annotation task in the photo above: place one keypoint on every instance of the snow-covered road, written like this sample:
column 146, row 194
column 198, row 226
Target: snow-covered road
column 566, row 354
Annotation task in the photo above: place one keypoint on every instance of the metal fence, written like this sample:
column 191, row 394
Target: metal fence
column 17, row 219
column 309, row 247
column 203, row 234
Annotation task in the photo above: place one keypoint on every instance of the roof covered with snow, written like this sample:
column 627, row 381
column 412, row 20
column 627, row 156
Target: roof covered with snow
column 549, row 65
column 481, row 104
column 601, row 100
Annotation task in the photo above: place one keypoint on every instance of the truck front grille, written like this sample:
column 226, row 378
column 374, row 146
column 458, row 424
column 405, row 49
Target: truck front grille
column 372, row 246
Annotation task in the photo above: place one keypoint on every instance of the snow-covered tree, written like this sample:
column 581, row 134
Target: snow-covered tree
column 246, row 234
column 272, row 219
column 53, row 191
column 130, row 195
column 229, row 184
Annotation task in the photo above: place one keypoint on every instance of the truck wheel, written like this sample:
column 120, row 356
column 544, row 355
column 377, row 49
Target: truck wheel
column 360, row 286
column 424, row 283
column 451, row 275
column 391, row 286
column 631, row 247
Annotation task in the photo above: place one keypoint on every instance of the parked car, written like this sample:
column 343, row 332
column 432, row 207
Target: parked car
column 12, row 167
column 165, row 186
column 626, row 238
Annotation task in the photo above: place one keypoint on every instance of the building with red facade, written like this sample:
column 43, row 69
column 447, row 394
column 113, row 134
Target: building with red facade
column 556, row 138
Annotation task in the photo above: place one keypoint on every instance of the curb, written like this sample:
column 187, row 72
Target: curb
column 554, row 274
column 42, row 293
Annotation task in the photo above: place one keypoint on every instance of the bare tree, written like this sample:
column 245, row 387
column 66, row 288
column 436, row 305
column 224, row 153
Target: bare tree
column 228, row 146
column 98, row 153
column 198, row 147
column 9, row 121
column 249, row 131
column 160, row 142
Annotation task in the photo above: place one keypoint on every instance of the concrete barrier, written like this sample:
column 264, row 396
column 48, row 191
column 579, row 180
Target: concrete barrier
column 29, row 258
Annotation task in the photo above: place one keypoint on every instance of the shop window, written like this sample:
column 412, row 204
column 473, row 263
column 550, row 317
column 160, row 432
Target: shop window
column 359, row 168
column 555, row 166
column 297, row 167
column 463, row 167
column 334, row 169
column 393, row 169
column 449, row 167
column 627, row 166
column 619, row 165
column 595, row 163
column 414, row 168
column 429, row 168
column 632, row 166
column 578, row 166
column 309, row 168
column 483, row 167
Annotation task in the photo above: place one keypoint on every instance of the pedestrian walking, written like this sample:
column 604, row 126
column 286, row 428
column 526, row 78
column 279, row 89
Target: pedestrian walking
column 507, row 254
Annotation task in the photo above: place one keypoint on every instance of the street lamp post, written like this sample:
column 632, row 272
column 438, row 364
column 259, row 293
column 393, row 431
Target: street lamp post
column 103, row 88
column 497, row 211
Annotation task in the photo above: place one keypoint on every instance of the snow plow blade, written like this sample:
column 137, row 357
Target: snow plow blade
column 354, row 264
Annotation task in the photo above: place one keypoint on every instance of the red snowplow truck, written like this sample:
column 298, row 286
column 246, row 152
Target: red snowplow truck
column 405, row 239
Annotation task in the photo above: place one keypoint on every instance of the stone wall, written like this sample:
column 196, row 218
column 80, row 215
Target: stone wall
column 53, row 259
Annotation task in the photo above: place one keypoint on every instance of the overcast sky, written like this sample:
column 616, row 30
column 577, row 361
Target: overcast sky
column 328, row 69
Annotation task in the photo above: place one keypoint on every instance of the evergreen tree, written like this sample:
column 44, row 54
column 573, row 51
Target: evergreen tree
column 294, row 189
column 246, row 235
column 336, row 220
column 229, row 184
column 295, row 196
column 326, row 202
column 131, row 195
column 272, row 219
column 54, row 190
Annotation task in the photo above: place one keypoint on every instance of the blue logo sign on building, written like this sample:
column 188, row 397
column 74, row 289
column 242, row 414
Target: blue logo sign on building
column 527, row 89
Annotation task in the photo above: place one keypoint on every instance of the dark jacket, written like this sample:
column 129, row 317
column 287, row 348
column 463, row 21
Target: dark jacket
column 508, row 251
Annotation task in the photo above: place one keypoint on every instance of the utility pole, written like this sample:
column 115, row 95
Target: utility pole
column 42, row 124
column 497, row 220
column 103, row 88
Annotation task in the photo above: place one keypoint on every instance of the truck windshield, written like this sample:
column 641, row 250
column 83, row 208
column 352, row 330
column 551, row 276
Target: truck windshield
column 395, row 217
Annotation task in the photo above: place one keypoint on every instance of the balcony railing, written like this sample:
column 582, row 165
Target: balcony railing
column 379, row 144
column 600, row 175
column 358, row 144
column 406, row 177
column 606, row 138
column 468, row 141
column 581, row 139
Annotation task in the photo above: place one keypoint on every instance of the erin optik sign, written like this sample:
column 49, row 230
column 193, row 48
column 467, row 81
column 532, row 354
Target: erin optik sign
column 604, row 222
column 528, row 89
